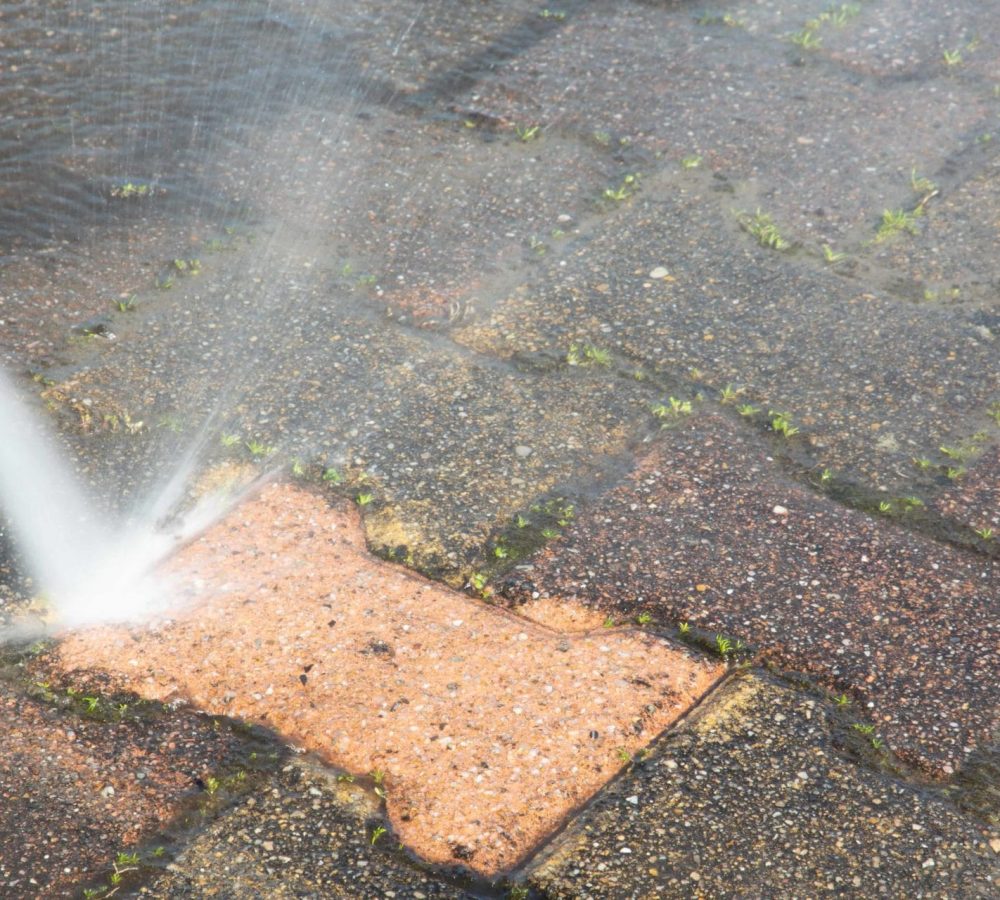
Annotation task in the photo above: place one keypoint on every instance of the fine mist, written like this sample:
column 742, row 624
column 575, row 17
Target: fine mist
column 87, row 568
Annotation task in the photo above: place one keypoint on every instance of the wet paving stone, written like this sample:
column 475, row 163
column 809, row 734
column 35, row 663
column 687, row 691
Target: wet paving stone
column 871, row 381
column 486, row 729
column 946, row 255
column 431, row 243
column 707, row 531
column 974, row 499
column 744, row 102
column 749, row 797
column 79, row 786
column 304, row 834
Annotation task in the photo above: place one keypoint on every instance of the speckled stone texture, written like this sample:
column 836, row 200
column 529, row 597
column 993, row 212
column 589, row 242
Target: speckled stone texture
column 707, row 530
column 488, row 728
column 119, row 780
column 304, row 835
column 974, row 500
column 749, row 798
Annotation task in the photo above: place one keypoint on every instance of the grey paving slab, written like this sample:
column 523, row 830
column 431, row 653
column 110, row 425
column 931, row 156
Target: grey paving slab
column 302, row 835
column 821, row 146
column 750, row 798
column 449, row 443
column 707, row 531
column 872, row 380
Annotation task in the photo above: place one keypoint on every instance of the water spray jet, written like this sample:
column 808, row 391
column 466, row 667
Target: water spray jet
column 87, row 568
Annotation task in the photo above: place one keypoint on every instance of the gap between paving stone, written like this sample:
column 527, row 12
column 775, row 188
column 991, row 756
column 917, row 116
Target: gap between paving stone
column 489, row 728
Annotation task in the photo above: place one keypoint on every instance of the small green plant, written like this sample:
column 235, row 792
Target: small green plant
column 842, row 14
column 747, row 409
column 723, row 645
column 953, row 473
column 831, row 256
column 842, row 700
column 332, row 476
column 587, row 354
column 297, row 469
column 623, row 755
column 159, row 851
column 960, row 453
column 500, row 551
column 377, row 832
column 623, row 191
column 885, row 506
column 760, row 226
column 952, row 57
column 877, row 743
column 729, row 393
column 258, row 450
column 993, row 411
column 807, row 39
column 910, row 502
column 229, row 440
column 691, row 162
column 526, row 133
column 188, row 266
column 985, row 533
column 896, row 221
column 727, row 19
column 127, row 304
column 548, row 533
column 825, row 476
column 922, row 462
column 556, row 14
column 345, row 778
column 127, row 859
column 127, row 190
column 673, row 409
column 609, row 622
column 477, row 580
column 920, row 184
column 212, row 785
column 684, row 627
column 91, row 703
column 520, row 521
column 165, row 282
column 782, row 424
column 644, row 618
column 863, row 729
column 517, row 892
column 363, row 499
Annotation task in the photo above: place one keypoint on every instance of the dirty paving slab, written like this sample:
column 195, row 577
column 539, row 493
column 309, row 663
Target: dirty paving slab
column 708, row 531
column 119, row 770
column 672, row 285
column 306, row 833
column 818, row 137
column 750, row 796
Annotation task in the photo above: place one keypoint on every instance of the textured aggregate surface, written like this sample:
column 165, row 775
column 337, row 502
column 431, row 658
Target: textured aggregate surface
column 486, row 729
column 469, row 259
column 705, row 532
column 750, row 798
